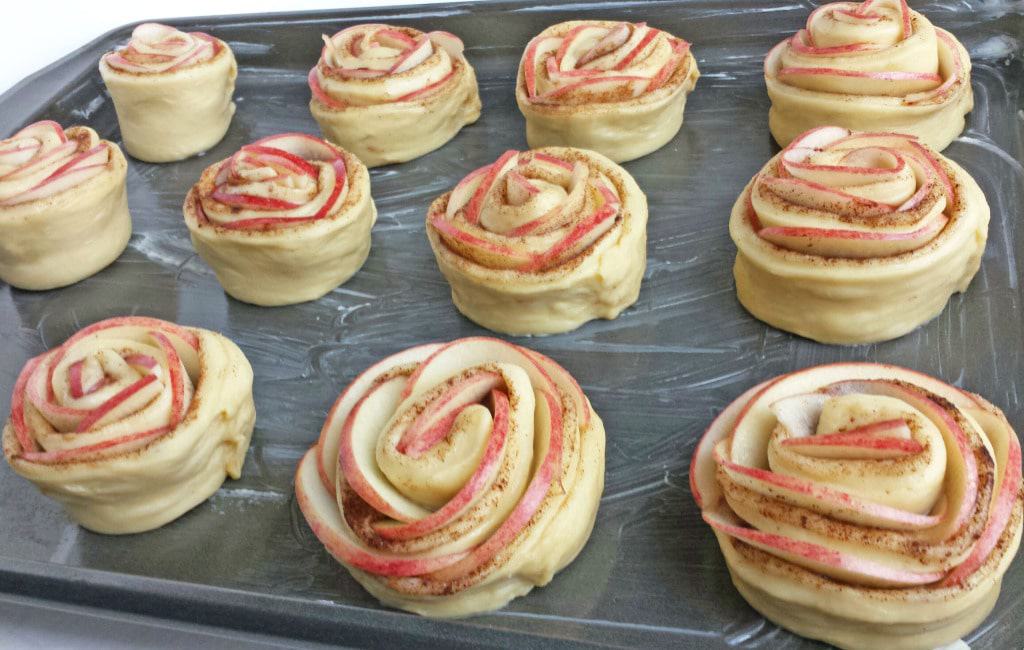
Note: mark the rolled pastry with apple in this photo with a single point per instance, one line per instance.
(876, 65)
(451, 478)
(617, 88)
(856, 237)
(171, 91)
(865, 505)
(131, 422)
(390, 94)
(63, 205)
(542, 241)
(284, 220)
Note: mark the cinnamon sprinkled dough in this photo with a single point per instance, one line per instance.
(865, 505)
(63, 205)
(172, 91)
(542, 241)
(617, 88)
(876, 65)
(132, 422)
(390, 94)
(451, 478)
(856, 237)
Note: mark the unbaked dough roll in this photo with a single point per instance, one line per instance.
(450, 479)
(542, 241)
(876, 65)
(132, 422)
(285, 220)
(617, 88)
(856, 237)
(63, 205)
(390, 94)
(866, 505)
(172, 91)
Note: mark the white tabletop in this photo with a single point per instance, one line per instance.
(35, 34)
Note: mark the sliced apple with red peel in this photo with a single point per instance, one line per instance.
(628, 86)
(519, 189)
(830, 242)
(820, 559)
(414, 56)
(836, 80)
(447, 41)
(433, 424)
(649, 35)
(817, 196)
(577, 42)
(612, 40)
(538, 48)
(503, 164)
(321, 511)
(470, 492)
(879, 440)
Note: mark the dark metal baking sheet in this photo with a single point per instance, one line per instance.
(651, 574)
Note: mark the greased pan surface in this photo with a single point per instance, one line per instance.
(652, 573)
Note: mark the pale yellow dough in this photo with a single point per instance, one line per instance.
(550, 545)
(290, 264)
(623, 130)
(170, 116)
(395, 132)
(850, 301)
(61, 239)
(600, 283)
(144, 489)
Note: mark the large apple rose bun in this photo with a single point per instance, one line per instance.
(542, 241)
(284, 220)
(451, 478)
(63, 205)
(617, 88)
(856, 237)
(132, 421)
(171, 90)
(870, 66)
(866, 505)
(390, 94)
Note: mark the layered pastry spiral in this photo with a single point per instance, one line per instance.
(390, 94)
(866, 505)
(542, 241)
(618, 88)
(876, 65)
(171, 90)
(284, 220)
(856, 237)
(63, 205)
(451, 478)
(132, 421)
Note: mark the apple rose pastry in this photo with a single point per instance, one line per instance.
(450, 479)
(132, 422)
(540, 242)
(63, 205)
(171, 90)
(390, 94)
(614, 87)
(285, 220)
(866, 505)
(856, 237)
(870, 66)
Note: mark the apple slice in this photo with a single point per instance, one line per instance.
(879, 440)
(449, 42)
(503, 164)
(820, 559)
(519, 189)
(577, 42)
(413, 56)
(321, 512)
(648, 35)
(435, 421)
(539, 48)
(890, 83)
(852, 244)
(613, 39)
(821, 197)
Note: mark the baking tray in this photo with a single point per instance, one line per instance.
(652, 573)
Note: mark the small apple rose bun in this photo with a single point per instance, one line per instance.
(876, 65)
(865, 505)
(172, 91)
(856, 237)
(285, 220)
(450, 479)
(63, 205)
(390, 94)
(614, 87)
(132, 422)
(542, 241)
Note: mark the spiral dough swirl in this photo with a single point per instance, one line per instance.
(863, 504)
(156, 48)
(541, 225)
(125, 423)
(452, 478)
(874, 65)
